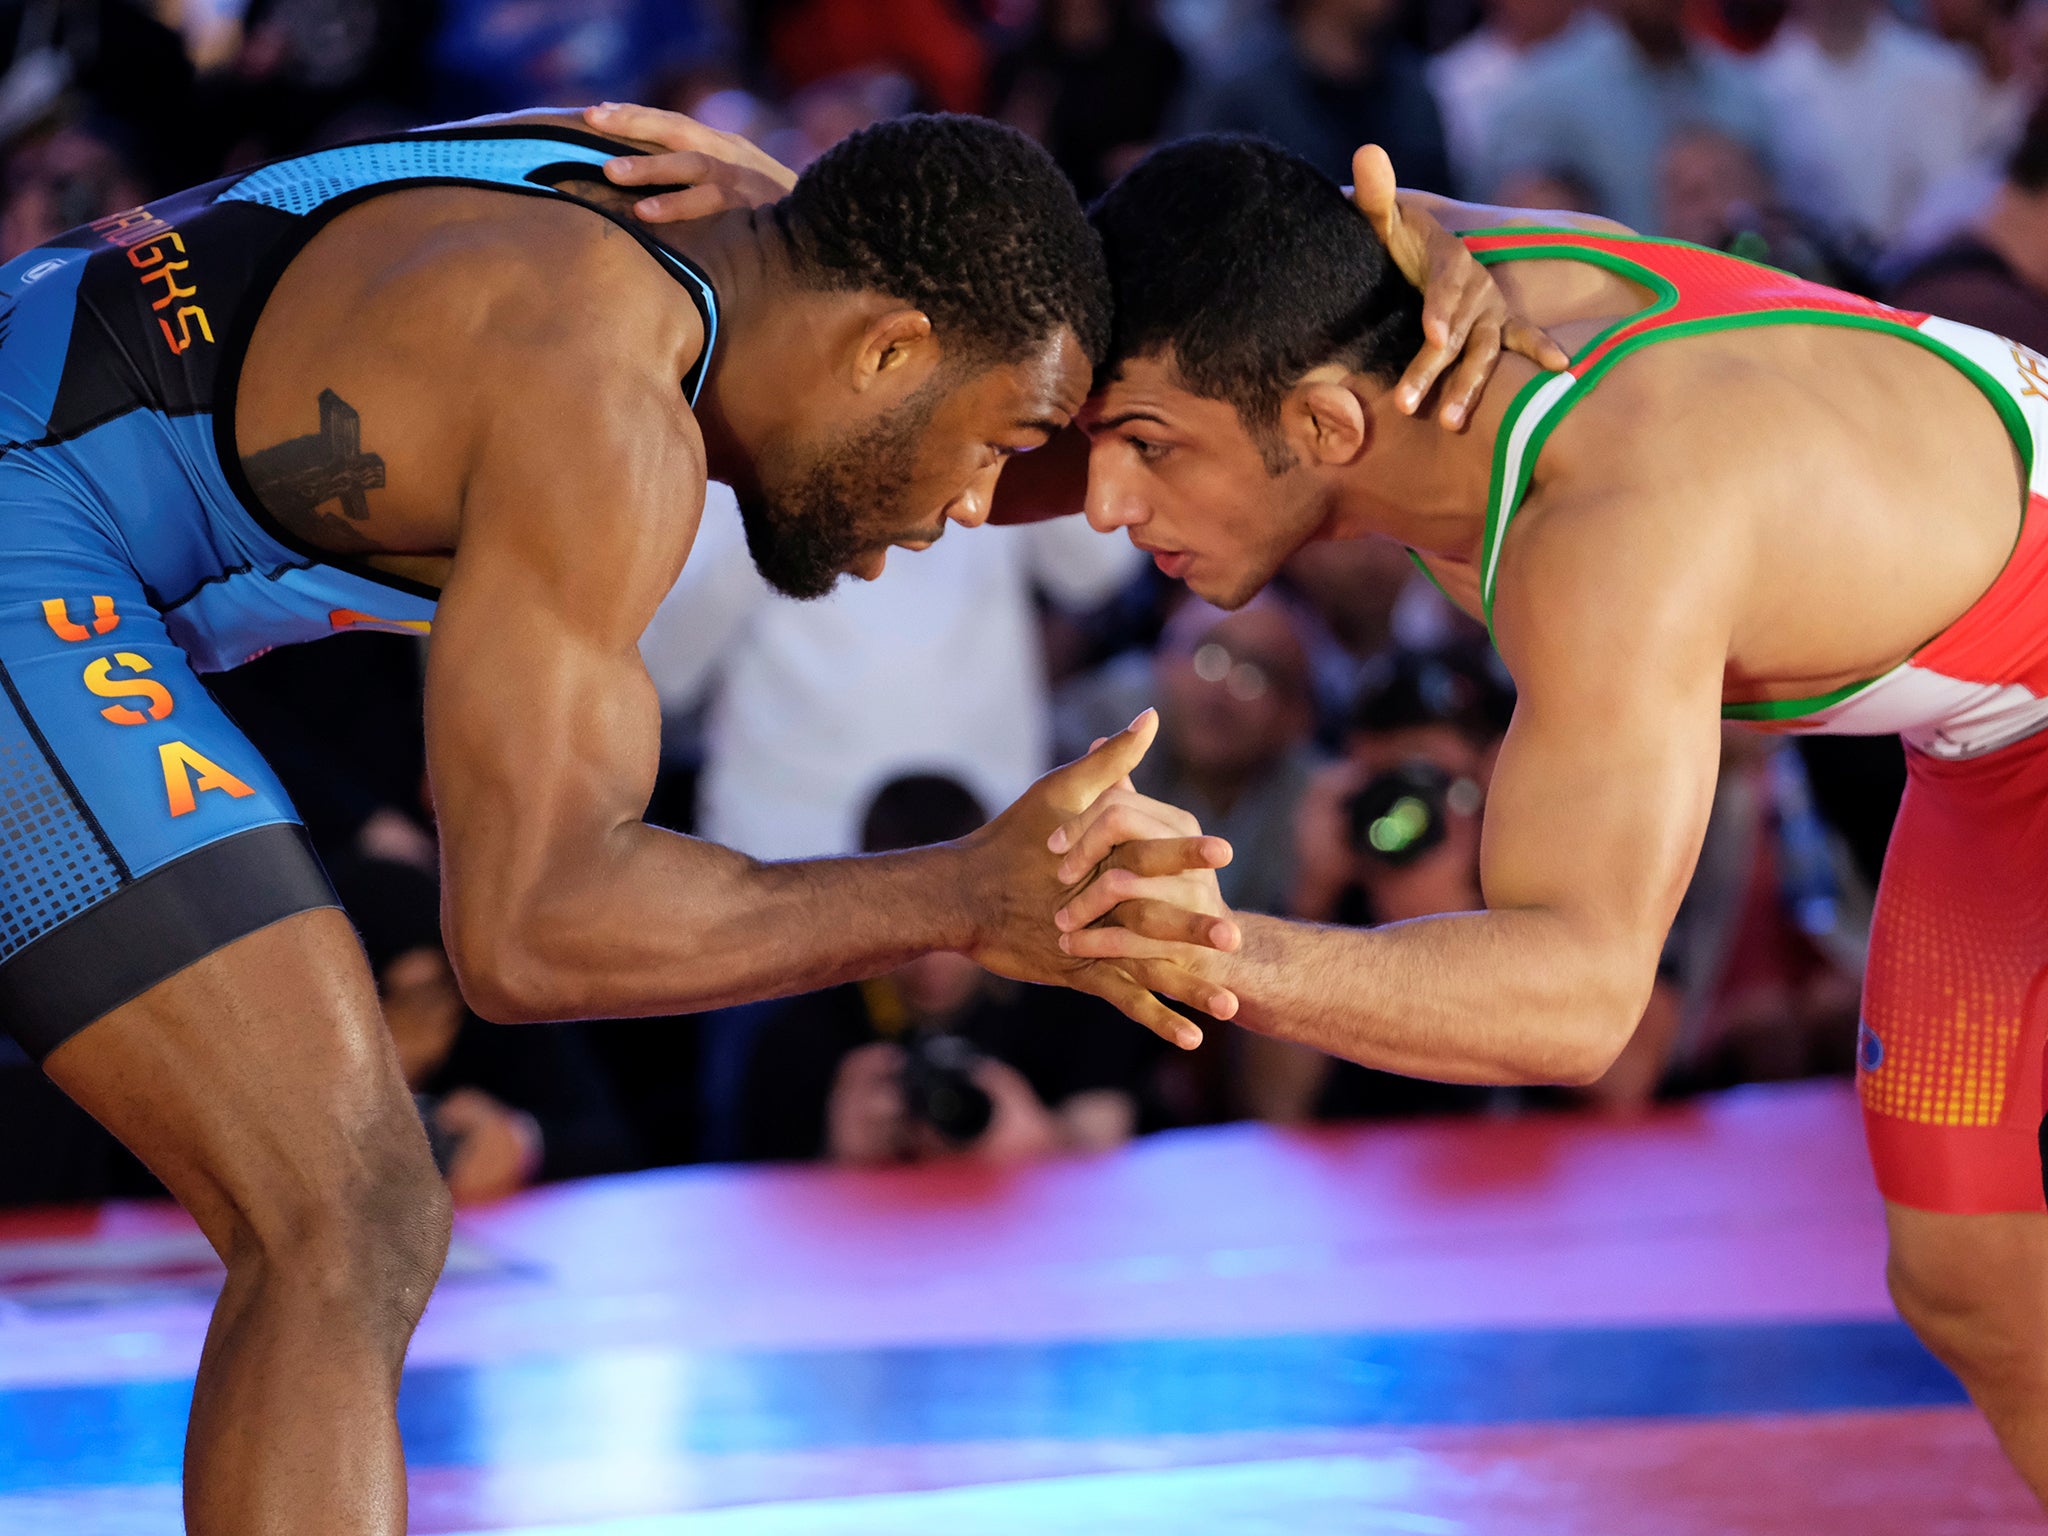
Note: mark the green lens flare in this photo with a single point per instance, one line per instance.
(1405, 820)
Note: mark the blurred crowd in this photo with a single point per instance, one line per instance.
(1340, 730)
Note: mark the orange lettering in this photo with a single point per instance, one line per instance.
(59, 618)
(171, 288)
(155, 249)
(114, 223)
(180, 762)
(98, 680)
(2034, 370)
(186, 315)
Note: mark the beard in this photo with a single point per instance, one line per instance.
(824, 508)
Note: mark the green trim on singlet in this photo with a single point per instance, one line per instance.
(1792, 709)
(1502, 503)
(1422, 565)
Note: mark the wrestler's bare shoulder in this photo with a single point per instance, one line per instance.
(1864, 488)
(439, 320)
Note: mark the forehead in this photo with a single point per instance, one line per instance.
(1149, 388)
(1046, 389)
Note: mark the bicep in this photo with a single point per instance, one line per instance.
(543, 727)
(1600, 796)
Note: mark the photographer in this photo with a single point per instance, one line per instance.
(938, 1058)
(504, 1108)
(1388, 831)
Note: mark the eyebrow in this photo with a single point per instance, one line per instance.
(1124, 418)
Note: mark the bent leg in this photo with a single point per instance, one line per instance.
(260, 1085)
(1975, 1289)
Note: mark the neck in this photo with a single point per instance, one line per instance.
(1418, 484)
(2016, 227)
(741, 253)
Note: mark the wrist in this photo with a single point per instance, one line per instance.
(950, 877)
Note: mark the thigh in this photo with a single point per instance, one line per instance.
(1950, 1060)
(139, 830)
(259, 1083)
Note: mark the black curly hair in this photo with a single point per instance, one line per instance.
(1249, 267)
(965, 218)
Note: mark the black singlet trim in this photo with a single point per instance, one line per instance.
(152, 928)
(268, 573)
(264, 280)
(57, 767)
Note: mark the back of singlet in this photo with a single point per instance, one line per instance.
(121, 344)
(1980, 684)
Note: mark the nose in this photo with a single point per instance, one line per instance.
(971, 507)
(1113, 500)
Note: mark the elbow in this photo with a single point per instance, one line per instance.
(506, 979)
(1603, 1022)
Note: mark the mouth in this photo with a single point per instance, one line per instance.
(1172, 563)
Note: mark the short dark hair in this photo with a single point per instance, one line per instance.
(917, 809)
(965, 218)
(1251, 267)
(2027, 167)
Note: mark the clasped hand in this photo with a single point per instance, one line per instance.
(1125, 860)
(1142, 892)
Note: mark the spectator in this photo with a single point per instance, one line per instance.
(1769, 942)
(1093, 82)
(1850, 152)
(60, 180)
(504, 1107)
(490, 56)
(931, 41)
(1391, 832)
(847, 1074)
(341, 723)
(2014, 58)
(1714, 191)
(936, 667)
(1437, 714)
(1472, 76)
(1602, 100)
(2000, 38)
(1331, 77)
(1995, 275)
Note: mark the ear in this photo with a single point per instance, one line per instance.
(1324, 419)
(893, 339)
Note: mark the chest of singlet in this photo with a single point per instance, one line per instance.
(1980, 684)
(121, 345)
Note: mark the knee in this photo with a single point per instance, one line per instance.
(1976, 1320)
(368, 1233)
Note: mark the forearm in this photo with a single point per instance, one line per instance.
(657, 923)
(1469, 997)
(1459, 216)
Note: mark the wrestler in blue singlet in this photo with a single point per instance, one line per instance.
(139, 830)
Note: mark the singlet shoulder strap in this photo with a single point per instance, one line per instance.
(1694, 291)
(533, 158)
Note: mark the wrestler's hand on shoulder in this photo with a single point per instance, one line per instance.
(1013, 890)
(711, 170)
(1466, 319)
(1144, 888)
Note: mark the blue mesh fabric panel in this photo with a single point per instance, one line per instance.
(303, 184)
(52, 867)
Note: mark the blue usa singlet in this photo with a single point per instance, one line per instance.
(139, 830)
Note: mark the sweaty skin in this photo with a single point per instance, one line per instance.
(1745, 515)
(1678, 548)
(481, 392)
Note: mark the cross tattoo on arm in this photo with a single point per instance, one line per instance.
(295, 479)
